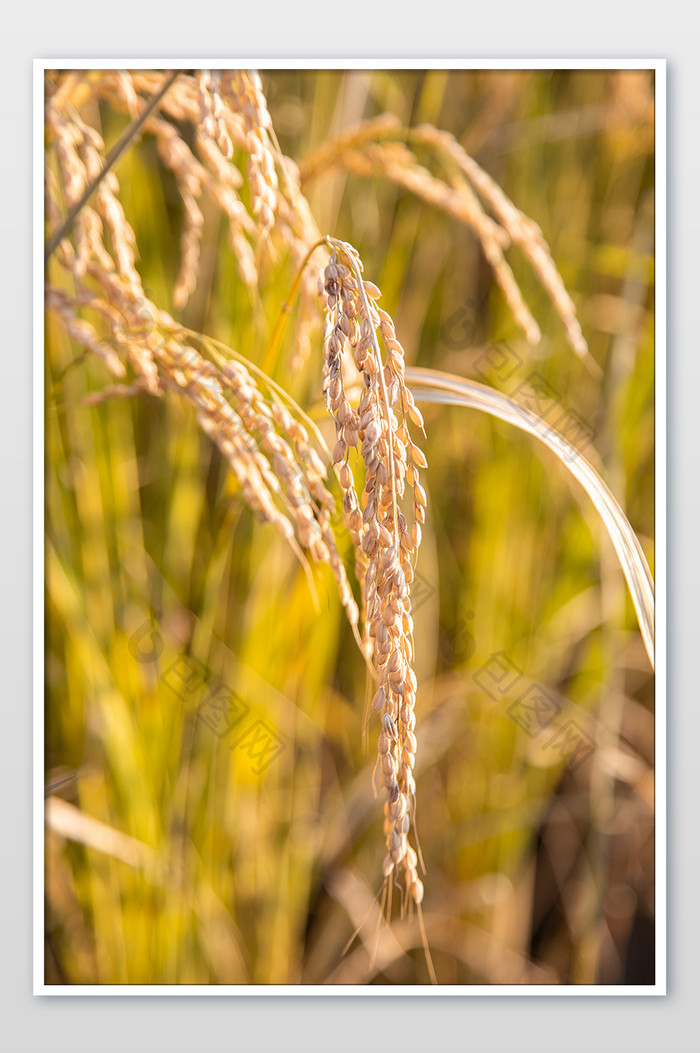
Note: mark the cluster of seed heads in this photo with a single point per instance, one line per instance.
(212, 122)
(281, 477)
(377, 149)
(244, 88)
(385, 545)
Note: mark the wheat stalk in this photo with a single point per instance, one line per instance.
(245, 90)
(376, 148)
(521, 230)
(378, 429)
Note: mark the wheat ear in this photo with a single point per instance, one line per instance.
(379, 429)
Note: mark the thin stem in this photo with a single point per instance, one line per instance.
(268, 362)
(111, 159)
(426, 947)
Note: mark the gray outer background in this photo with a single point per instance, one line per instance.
(595, 29)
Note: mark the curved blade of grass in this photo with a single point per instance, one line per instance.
(431, 385)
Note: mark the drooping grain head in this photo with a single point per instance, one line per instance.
(378, 429)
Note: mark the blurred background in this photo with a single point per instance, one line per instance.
(210, 812)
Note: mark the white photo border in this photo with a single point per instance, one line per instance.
(658, 988)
